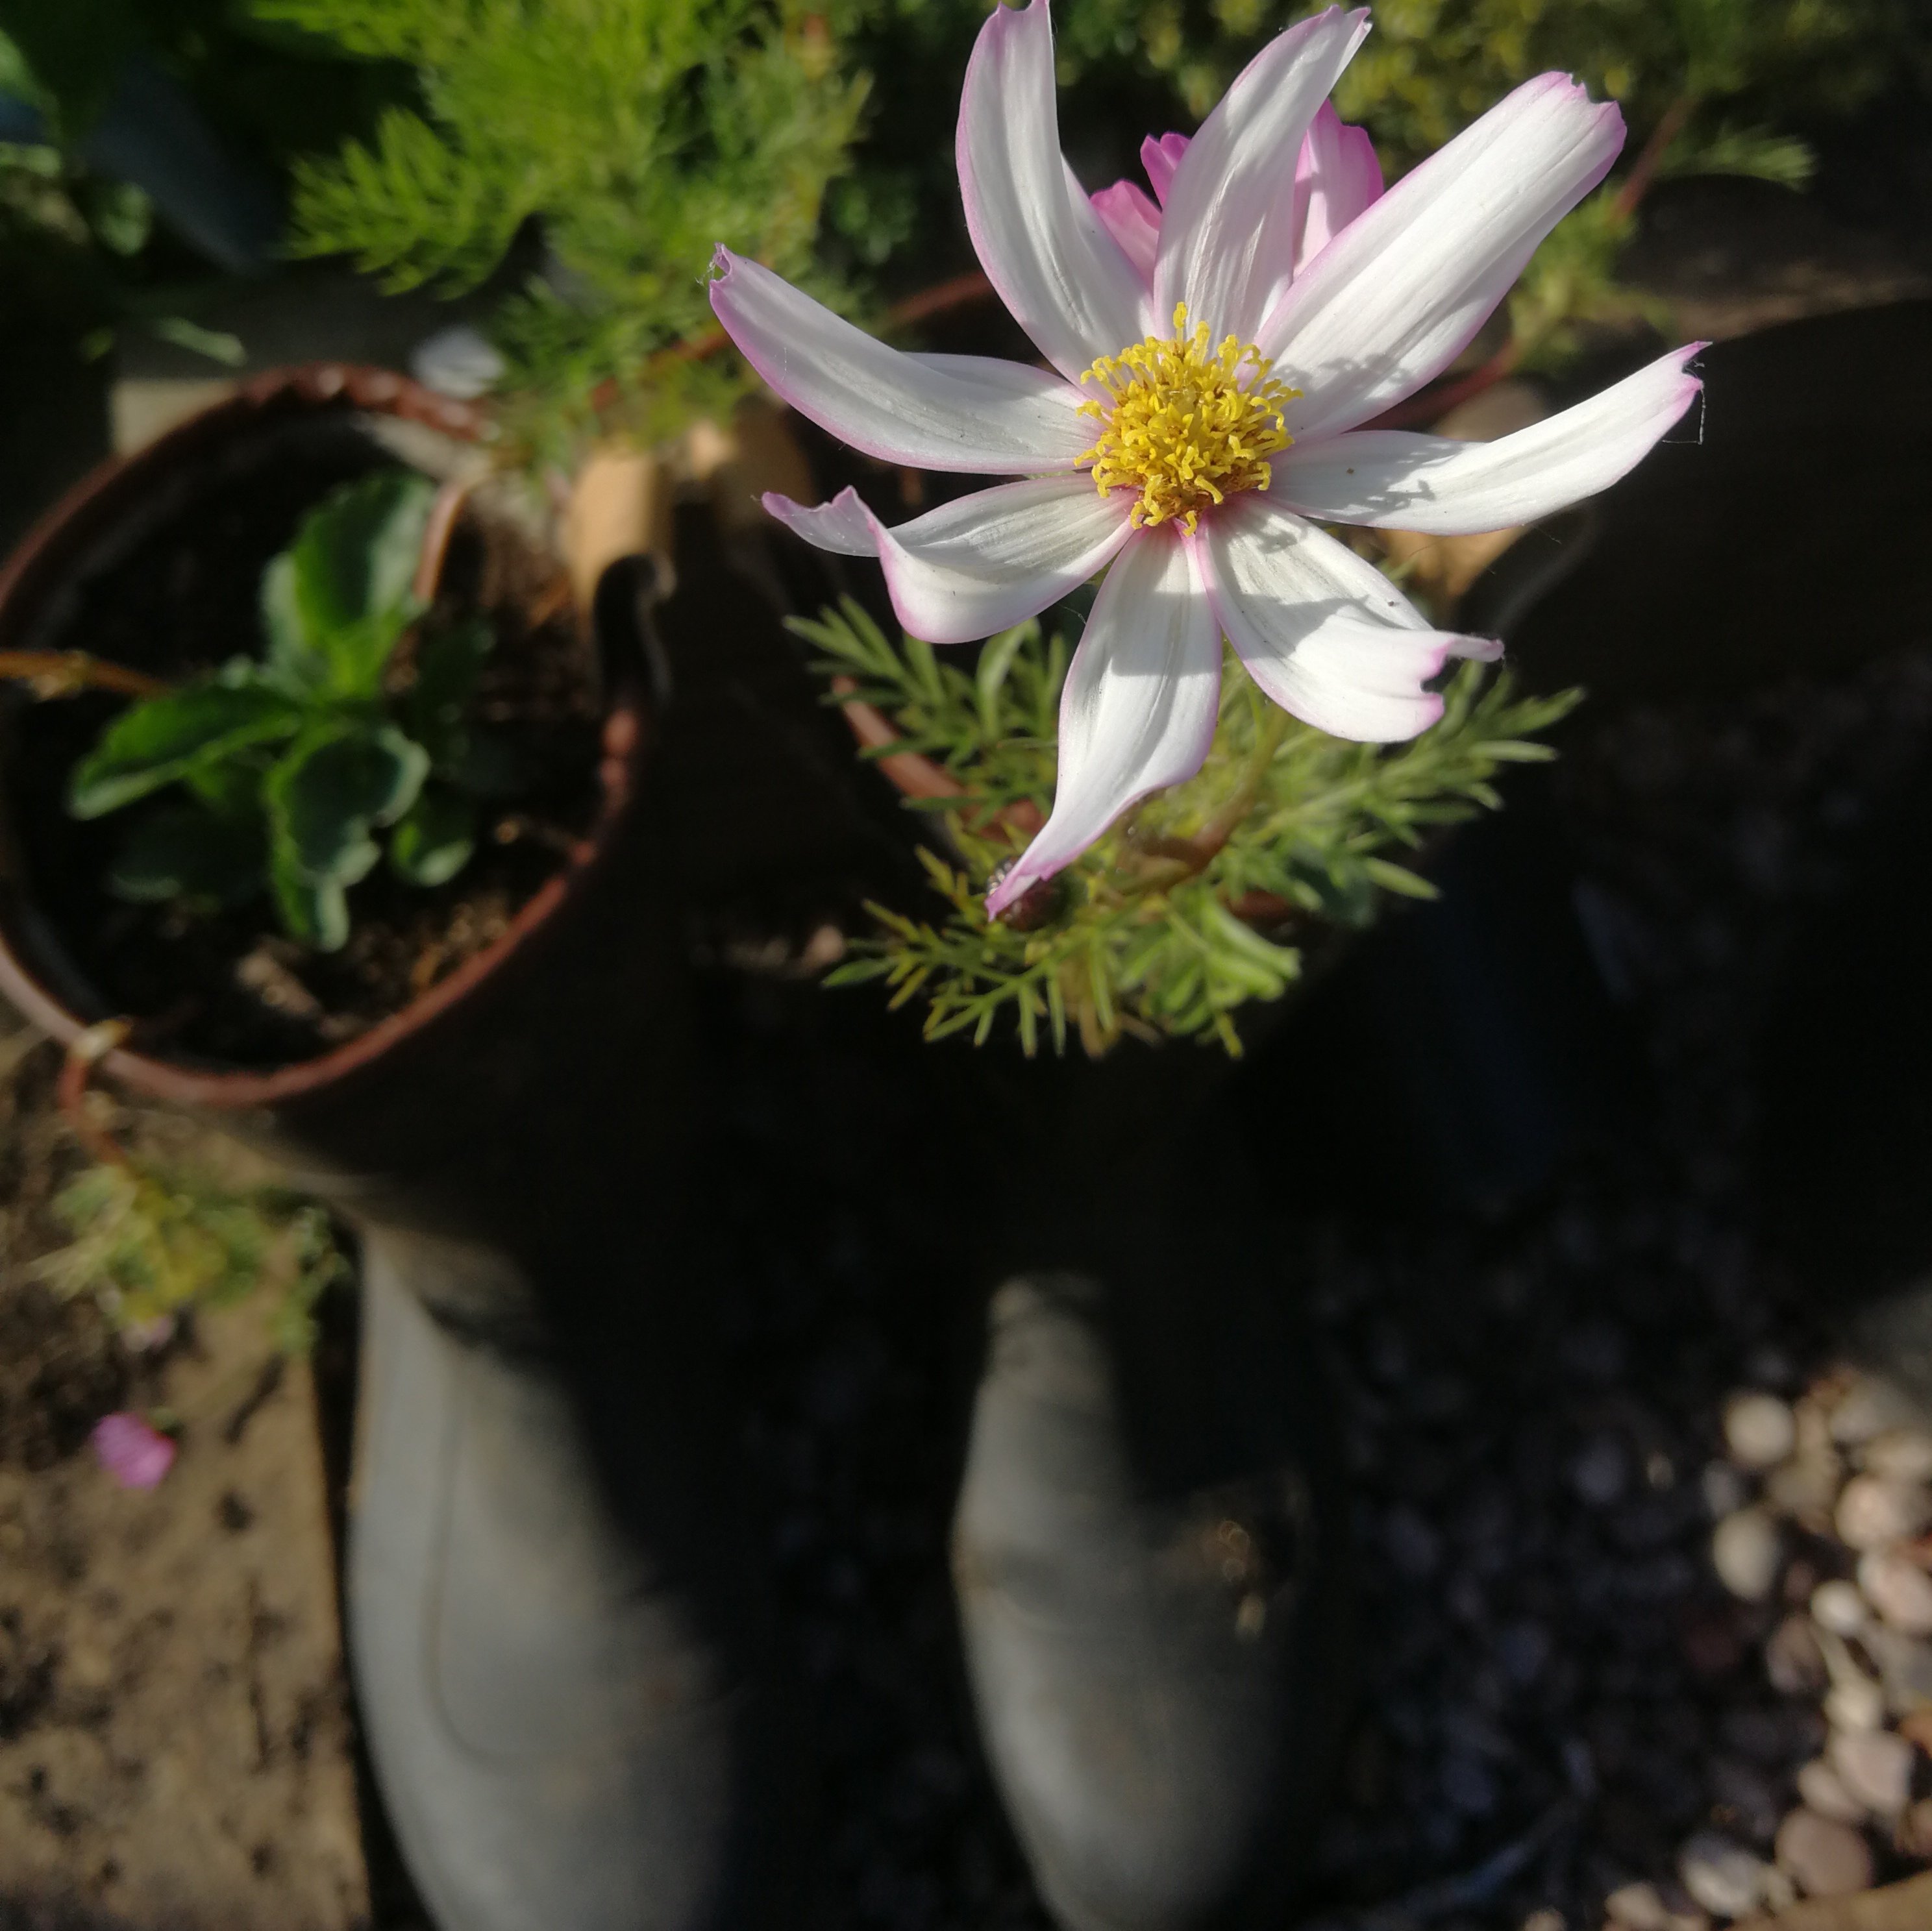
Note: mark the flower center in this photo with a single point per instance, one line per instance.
(1182, 427)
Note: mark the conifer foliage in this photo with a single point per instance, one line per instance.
(634, 138)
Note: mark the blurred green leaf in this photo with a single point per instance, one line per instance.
(335, 783)
(158, 741)
(336, 604)
(434, 839)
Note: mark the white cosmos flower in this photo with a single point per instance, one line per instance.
(1211, 357)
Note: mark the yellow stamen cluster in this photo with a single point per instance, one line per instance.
(1182, 427)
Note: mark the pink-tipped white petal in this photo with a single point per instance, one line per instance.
(1127, 213)
(1399, 293)
(1160, 158)
(1139, 708)
(1227, 235)
(1065, 278)
(1323, 632)
(967, 413)
(1394, 481)
(1337, 176)
(983, 562)
(843, 525)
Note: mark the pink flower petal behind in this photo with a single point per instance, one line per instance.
(1160, 158)
(1138, 710)
(136, 1454)
(1133, 221)
(1337, 175)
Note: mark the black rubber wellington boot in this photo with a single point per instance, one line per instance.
(564, 1730)
(1146, 1556)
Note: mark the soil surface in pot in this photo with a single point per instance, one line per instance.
(179, 596)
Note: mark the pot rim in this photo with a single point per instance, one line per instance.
(38, 563)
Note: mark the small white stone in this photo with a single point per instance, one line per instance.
(459, 360)
(1899, 1455)
(1638, 1907)
(1898, 1589)
(1867, 1408)
(1759, 1430)
(1722, 1876)
(1904, 1667)
(1875, 1766)
(1823, 1789)
(1747, 1550)
(1855, 1702)
(1806, 1488)
(1827, 1858)
(1873, 1512)
(1838, 1607)
(1794, 1659)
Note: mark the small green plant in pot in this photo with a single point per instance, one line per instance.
(352, 725)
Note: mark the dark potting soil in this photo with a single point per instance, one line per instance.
(181, 597)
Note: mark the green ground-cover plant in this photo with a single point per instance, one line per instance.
(1154, 929)
(290, 766)
(149, 1243)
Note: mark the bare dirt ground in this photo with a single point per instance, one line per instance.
(175, 1740)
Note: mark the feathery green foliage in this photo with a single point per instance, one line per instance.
(1197, 901)
(635, 137)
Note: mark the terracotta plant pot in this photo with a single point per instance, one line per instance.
(429, 1090)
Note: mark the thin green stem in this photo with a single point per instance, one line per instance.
(1174, 861)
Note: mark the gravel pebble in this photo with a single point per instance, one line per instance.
(1875, 1766)
(1747, 1550)
(1867, 1409)
(1759, 1430)
(1824, 1790)
(1898, 1589)
(1914, 1835)
(1722, 1876)
(1806, 1488)
(1638, 1907)
(1839, 1607)
(1855, 1704)
(1873, 1512)
(1793, 1660)
(1899, 1455)
(1826, 1858)
(1600, 1473)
